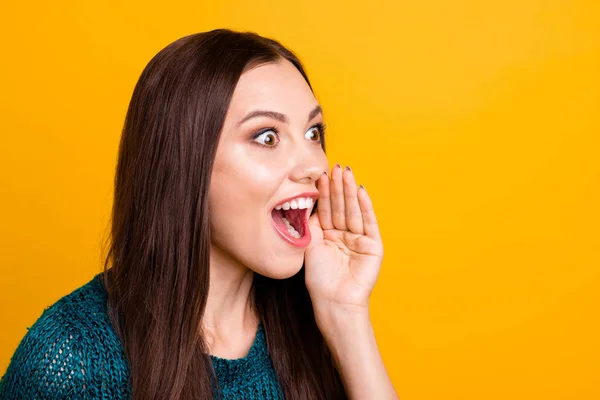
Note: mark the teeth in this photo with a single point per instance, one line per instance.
(291, 230)
(297, 203)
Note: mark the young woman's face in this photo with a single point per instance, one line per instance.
(269, 152)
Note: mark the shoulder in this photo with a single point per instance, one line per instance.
(71, 351)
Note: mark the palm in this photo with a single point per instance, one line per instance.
(343, 260)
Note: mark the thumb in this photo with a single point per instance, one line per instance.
(316, 231)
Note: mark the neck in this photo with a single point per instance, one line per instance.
(228, 307)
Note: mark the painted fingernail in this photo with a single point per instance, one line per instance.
(348, 168)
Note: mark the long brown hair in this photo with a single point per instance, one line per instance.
(156, 269)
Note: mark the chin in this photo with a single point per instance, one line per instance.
(277, 272)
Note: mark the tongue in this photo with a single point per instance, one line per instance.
(294, 217)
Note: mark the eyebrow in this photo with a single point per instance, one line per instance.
(278, 116)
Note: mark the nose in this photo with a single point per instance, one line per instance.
(310, 162)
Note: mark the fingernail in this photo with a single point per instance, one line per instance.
(348, 168)
(362, 187)
(337, 166)
(325, 173)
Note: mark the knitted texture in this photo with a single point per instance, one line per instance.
(73, 352)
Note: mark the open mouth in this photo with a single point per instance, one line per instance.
(290, 219)
(291, 222)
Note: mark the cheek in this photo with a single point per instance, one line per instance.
(239, 196)
(245, 183)
(253, 169)
(240, 191)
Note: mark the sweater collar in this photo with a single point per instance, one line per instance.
(234, 372)
(238, 372)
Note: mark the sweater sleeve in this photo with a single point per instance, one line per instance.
(50, 362)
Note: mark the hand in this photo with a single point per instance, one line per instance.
(343, 259)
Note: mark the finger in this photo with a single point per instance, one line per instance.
(354, 219)
(370, 224)
(323, 203)
(338, 214)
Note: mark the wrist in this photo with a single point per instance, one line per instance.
(348, 334)
(336, 320)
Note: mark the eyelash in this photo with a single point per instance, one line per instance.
(321, 126)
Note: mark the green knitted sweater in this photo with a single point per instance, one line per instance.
(73, 352)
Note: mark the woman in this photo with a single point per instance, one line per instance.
(227, 277)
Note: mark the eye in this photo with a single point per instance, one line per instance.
(267, 138)
(315, 133)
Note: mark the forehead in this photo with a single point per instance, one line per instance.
(276, 86)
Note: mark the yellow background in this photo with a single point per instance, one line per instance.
(474, 125)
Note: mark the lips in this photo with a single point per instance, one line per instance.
(296, 217)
